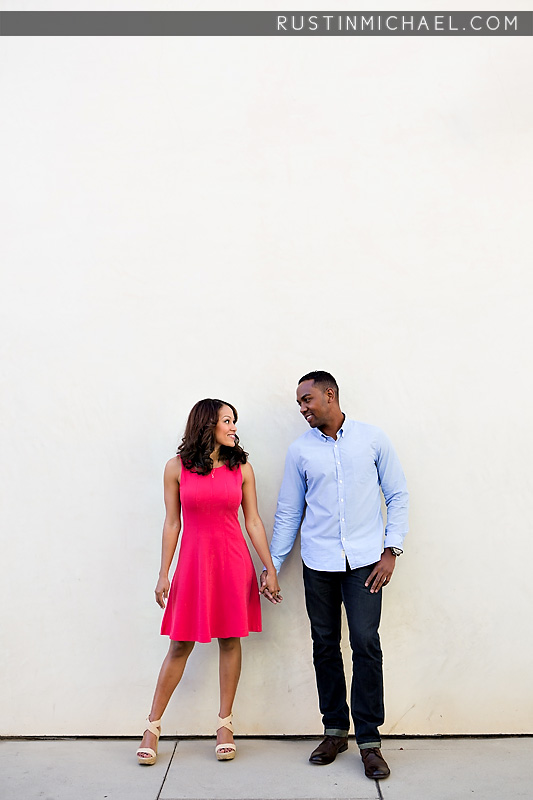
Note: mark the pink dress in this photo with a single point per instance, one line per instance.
(214, 592)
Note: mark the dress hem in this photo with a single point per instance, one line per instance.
(214, 636)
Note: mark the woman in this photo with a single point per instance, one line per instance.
(214, 590)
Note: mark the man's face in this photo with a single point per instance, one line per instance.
(314, 403)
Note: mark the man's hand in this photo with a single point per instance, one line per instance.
(382, 572)
(269, 587)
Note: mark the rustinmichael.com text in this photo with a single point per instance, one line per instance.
(398, 23)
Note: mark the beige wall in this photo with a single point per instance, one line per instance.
(196, 217)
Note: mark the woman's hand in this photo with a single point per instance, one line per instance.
(270, 586)
(161, 590)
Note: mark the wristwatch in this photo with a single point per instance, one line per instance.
(395, 551)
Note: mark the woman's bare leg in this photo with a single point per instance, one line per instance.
(169, 677)
(229, 672)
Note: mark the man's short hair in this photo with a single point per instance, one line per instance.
(323, 379)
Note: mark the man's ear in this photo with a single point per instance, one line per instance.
(331, 395)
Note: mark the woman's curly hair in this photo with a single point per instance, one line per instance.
(199, 439)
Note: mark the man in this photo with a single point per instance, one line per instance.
(331, 487)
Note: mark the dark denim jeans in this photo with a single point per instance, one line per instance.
(325, 592)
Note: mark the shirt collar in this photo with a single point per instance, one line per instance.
(340, 432)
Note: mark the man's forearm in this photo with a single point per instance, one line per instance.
(281, 545)
(397, 518)
(289, 512)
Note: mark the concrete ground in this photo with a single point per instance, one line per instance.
(267, 769)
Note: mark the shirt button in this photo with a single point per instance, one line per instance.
(343, 519)
(340, 481)
(342, 501)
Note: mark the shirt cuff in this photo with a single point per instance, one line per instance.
(277, 563)
(265, 569)
(394, 540)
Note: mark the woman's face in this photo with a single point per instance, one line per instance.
(226, 428)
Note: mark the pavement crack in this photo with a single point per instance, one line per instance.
(166, 772)
(378, 787)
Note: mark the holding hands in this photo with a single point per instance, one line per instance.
(270, 586)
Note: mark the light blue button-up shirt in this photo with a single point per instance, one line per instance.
(335, 486)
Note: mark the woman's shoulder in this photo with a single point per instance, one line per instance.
(246, 470)
(173, 468)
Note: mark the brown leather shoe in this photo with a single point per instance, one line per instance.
(375, 765)
(327, 750)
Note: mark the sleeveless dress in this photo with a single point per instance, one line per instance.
(214, 591)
